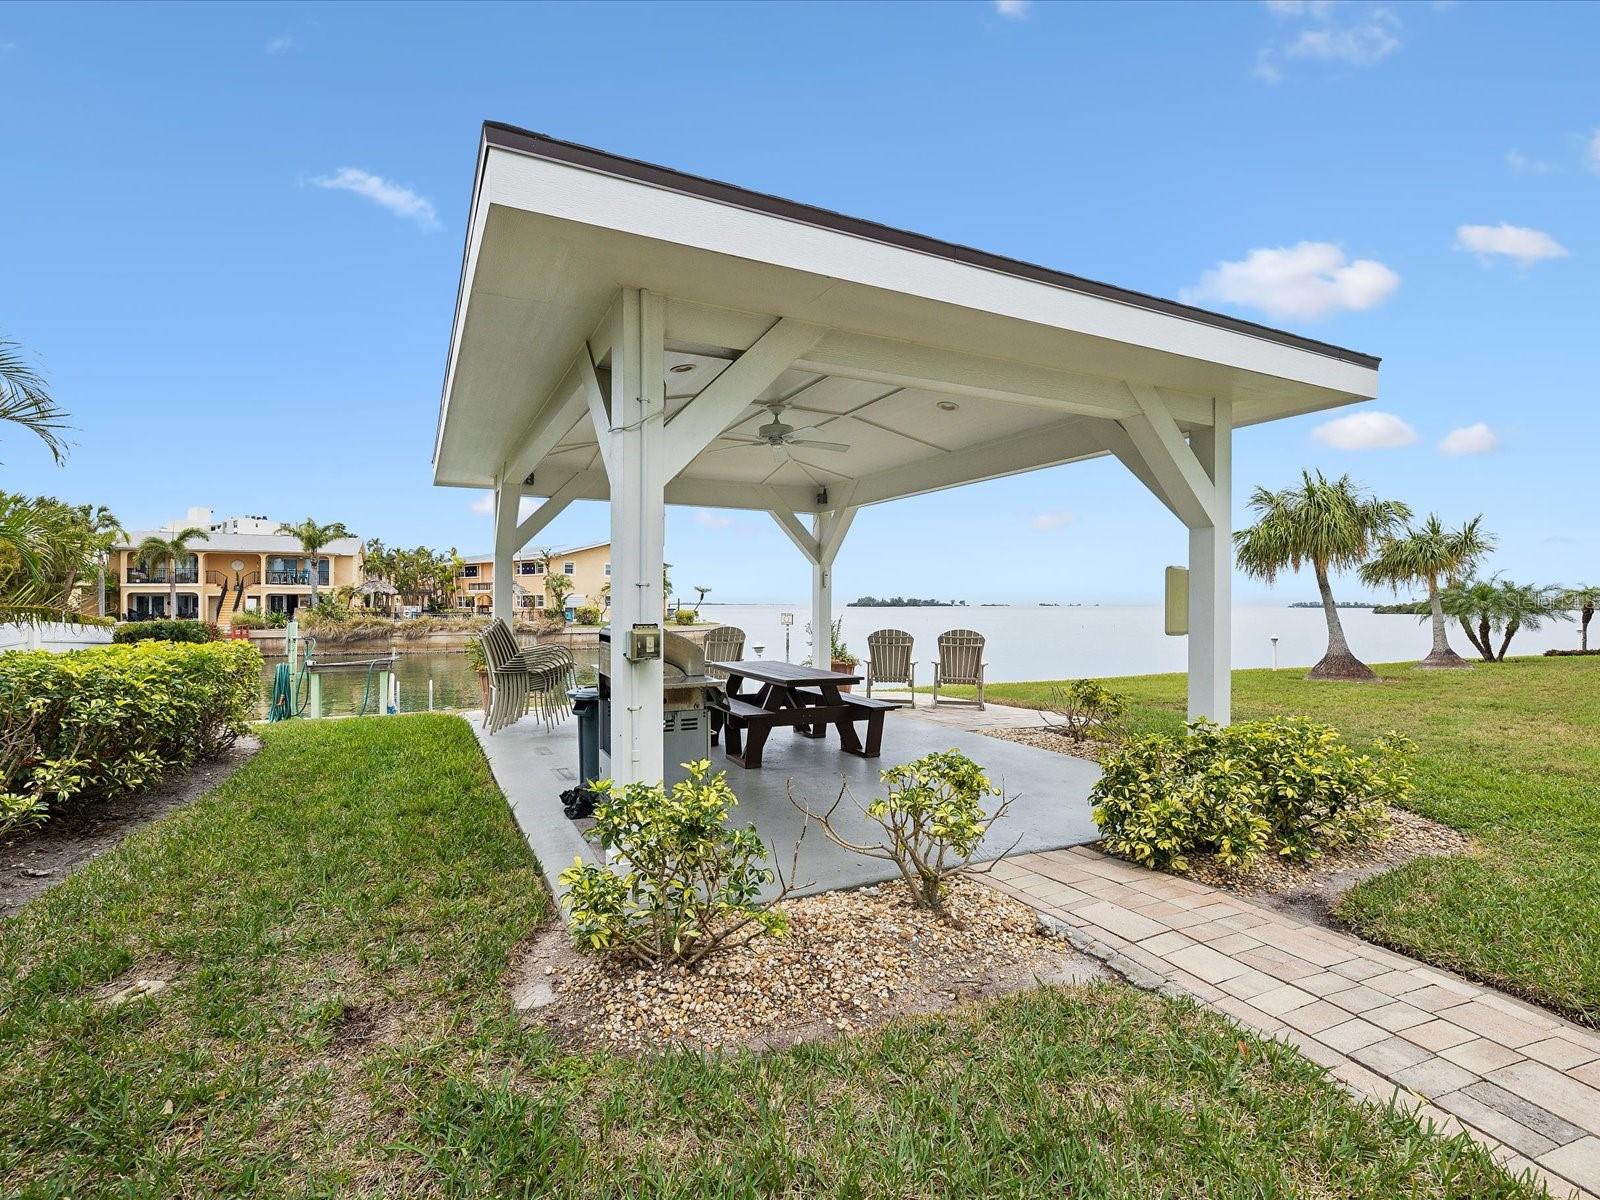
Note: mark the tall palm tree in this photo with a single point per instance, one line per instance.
(1426, 554)
(313, 539)
(25, 399)
(1583, 601)
(1330, 525)
(170, 550)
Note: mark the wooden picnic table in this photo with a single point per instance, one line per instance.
(805, 697)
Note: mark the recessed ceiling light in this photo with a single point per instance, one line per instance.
(680, 368)
(948, 406)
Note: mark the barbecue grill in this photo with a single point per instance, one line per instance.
(686, 691)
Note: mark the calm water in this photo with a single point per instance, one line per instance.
(1023, 643)
(1071, 643)
(454, 684)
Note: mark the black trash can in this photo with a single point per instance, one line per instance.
(586, 704)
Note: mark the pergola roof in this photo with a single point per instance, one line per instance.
(933, 364)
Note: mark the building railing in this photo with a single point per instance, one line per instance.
(289, 578)
(159, 575)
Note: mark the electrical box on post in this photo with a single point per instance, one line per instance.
(643, 644)
(1177, 605)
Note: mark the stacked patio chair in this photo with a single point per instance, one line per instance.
(960, 661)
(725, 643)
(544, 673)
(889, 660)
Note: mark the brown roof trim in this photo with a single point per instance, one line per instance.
(523, 141)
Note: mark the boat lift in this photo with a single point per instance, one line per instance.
(297, 684)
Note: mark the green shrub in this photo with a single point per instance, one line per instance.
(1085, 709)
(1288, 784)
(933, 819)
(690, 884)
(165, 631)
(588, 614)
(248, 619)
(112, 719)
(685, 616)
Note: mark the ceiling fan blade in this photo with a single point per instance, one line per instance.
(832, 447)
(739, 443)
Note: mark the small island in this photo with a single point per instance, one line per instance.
(903, 602)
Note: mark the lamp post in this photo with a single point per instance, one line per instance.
(786, 620)
(1274, 652)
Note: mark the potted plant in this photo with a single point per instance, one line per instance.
(842, 660)
(480, 668)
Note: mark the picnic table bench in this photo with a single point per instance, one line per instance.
(795, 695)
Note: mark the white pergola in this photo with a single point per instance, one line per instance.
(623, 332)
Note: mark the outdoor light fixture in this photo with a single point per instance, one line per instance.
(680, 368)
(948, 406)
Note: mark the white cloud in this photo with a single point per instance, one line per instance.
(707, 519)
(1366, 431)
(1267, 69)
(1301, 8)
(1047, 521)
(1523, 164)
(1308, 279)
(484, 504)
(281, 44)
(400, 200)
(1324, 33)
(1470, 439)
(1369, 40)
(1016, 10)
(1591, 151)
(1524, 246)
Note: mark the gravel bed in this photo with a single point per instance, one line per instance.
(1043, 738)
(851, 960)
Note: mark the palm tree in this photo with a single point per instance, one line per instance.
(171, 550)
(1500, 606)
(313, 539)
(1473, 603)
(1583, 601)
(26, 399)
(1332, 526)
(1425, 554)
(700, 597)
(1524, 606)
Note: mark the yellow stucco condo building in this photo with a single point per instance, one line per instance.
(243, 565)
(587, 570)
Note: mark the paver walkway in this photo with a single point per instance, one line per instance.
(1522, 1081)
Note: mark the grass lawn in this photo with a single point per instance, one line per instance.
(336, 922)
(1510, 753)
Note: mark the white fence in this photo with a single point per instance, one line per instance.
(54, 636)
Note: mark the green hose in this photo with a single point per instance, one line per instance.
(290, 693)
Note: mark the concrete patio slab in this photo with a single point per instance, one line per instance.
(1050, 791)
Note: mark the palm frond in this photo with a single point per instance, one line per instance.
(25, 399)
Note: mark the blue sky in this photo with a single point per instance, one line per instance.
(230, 235)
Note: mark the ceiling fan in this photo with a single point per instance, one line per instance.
(779, 436)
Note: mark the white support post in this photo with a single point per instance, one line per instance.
(638, 531)
(1211, 577)
(828, 529)
(507, 497)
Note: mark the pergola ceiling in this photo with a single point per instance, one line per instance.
(930, 371)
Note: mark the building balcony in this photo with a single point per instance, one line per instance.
(291, 579)
(160, 575)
